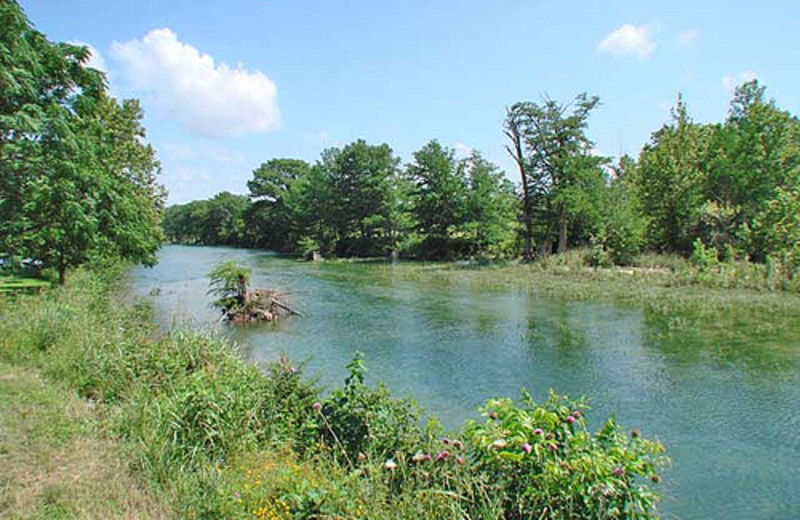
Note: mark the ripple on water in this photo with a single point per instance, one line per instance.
(721, 392)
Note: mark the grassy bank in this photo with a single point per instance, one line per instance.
(57, 458)
(204, 435)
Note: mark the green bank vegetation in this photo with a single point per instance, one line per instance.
(210, 436)
(723, 196)
(58, 459)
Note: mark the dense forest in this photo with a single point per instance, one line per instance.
(729, 189)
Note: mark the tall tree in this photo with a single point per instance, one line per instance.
(440, 196)
(755, 161)
(76, 180)
(360, 178)
(274, 214)
(514, 128)
(671, 179)
(491, 207)
(559, 170)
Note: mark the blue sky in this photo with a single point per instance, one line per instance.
(229, 85)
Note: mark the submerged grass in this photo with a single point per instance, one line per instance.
(660, 280)
(198, 433)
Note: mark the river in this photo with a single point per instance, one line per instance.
(727, 410)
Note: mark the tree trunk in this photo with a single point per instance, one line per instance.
(513, 133)
(562, 235)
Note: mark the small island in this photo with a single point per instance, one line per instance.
(238, 303)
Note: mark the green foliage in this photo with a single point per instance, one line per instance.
(229, 282)
(220, 220)
(78, 182)
(276, 216)
(562, 179)
(362, 421)
(729, 185)
(703, 258)
(491, 209)
(544, 462)
(670, 178)
(440, 194)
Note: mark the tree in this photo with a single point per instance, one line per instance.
(274, 214)
(219, 220)
(755, 167)
(624, 224)
(671, 180)
(358, 181)
(440, 195)
(78, 183)
(513, 128)
(560, 174)
(491, 207)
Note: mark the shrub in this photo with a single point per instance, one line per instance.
(359, 420)
(544, 463)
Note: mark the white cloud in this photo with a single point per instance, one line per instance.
(629, 40)
(688, 38)
(731, 81)
(208, 98)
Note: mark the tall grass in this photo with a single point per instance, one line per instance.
(221, 438)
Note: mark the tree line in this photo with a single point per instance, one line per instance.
(731, 188)
(358, 201)
(77, 181)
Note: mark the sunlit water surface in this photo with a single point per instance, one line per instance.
(727, 410)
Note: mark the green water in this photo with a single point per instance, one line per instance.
(721, 389)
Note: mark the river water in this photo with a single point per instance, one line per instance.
(728, 410)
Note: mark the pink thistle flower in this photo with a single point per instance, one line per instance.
(570, 419)
(553, 446)
(443, 455)
(317, 406)
(526, 448)
(576, 414)
(538, 431)
(460, 460)
(619, 471)
(237, 495)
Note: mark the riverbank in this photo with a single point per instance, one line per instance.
(58, 459)
(211, 436)
(651, 277)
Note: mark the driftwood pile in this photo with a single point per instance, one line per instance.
(255, 306)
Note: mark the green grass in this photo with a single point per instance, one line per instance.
(653, 279)
(14, 284)
(56, 460)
